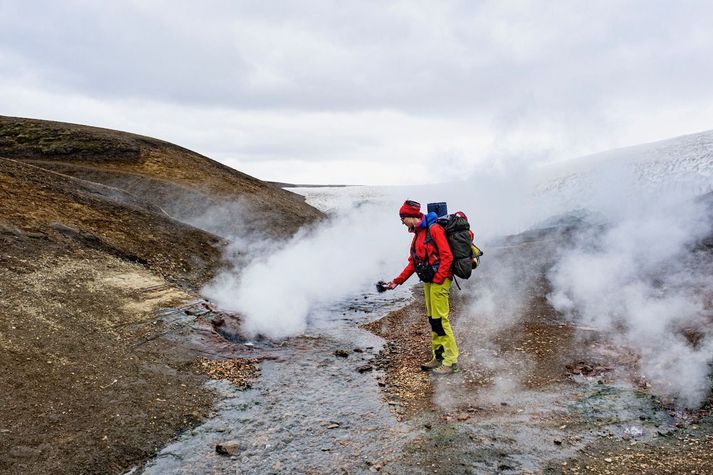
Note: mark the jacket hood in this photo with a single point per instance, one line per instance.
(428, 220)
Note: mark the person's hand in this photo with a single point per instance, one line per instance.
(391, 285)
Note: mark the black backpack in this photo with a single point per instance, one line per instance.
(466, 255)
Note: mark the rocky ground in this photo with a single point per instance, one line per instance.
(535, 394)
(103, 355)
(556, 421)
(106, 346)
(82, 391)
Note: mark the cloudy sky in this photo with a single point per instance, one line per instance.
(382, 92)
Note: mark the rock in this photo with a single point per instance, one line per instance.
(365, 368)
(64, 229)
(608, 460)
(632, 432)
(23, 451)
(196, 311)
(358, 350)
(36, 235)
(557, 442)
(229, 448)
(341, 353)
(11, 230)
(333, 425)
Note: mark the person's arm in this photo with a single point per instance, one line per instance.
(445, 256)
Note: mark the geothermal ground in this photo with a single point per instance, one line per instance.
(535, 394)
(113, 362)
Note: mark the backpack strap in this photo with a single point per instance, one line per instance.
(430, 239)
(413, 250)
(425, 241)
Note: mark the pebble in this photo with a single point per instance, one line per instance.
(228, 448)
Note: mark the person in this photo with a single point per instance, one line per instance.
(431, 258)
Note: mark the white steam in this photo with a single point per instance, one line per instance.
(283, 281)
(630, 268)
(632, 271)
(639, 281)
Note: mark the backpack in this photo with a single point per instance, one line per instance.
(466, 255)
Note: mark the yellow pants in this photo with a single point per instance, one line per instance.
(443, 343)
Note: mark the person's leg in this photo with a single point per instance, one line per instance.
(427, 297)
(436, 350)
(442, 332)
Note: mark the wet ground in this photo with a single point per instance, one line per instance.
(316, 406)
(543, 397)
(535, 394)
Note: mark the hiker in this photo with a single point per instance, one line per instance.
(430, 257)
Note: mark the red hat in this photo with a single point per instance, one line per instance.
(410, 209)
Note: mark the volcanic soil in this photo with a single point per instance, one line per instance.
(106, 343)
(100, 268)
(535, 394)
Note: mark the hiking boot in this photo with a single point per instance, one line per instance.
(431, 365)
(443, 369)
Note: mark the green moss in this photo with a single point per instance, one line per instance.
(48, 140)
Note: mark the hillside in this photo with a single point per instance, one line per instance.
(95, 239)
(683, 163)
(183, 183)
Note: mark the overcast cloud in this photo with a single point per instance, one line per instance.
(366, 91)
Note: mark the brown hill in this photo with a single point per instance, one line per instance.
(89, 250)
(185, 184)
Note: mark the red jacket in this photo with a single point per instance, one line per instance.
(437, 250)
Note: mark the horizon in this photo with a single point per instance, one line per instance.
(358, 95)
